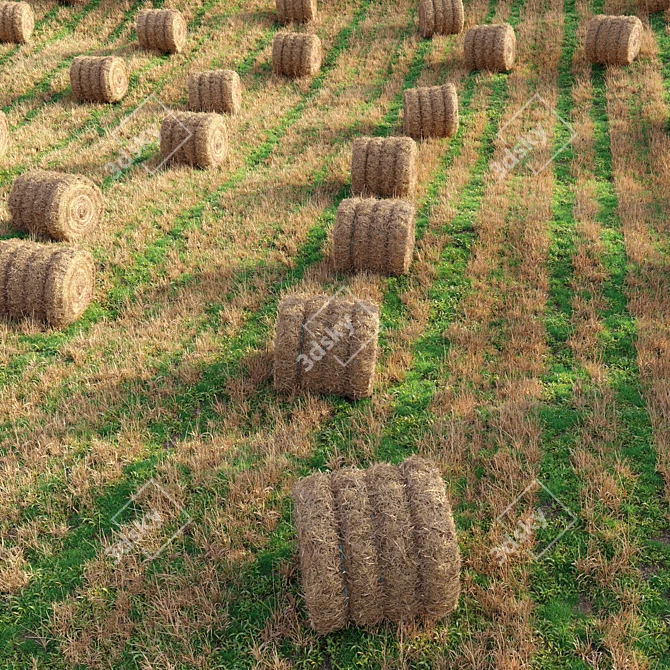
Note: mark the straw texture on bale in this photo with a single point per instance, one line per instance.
(194, 138)
(4, 133)
(215, 91)
(490, 48)
(377, 544)
(298, 11)
(63, 207)
(613, 40)
(441, 17)
(17, 22)
(374, 236)
(49, 283)
(161, 29)
(296, 54)
(384, 167)
(431, 111)
(98, 78)
(326, 345)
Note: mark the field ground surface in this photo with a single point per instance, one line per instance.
(527, 352)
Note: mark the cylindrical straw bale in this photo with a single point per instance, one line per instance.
(49, 283)
(441, 17)
(215, 91)
(52, 205)
(98, 78)
(298, 11)
(296, 54)
(4, 133)
(194, 138)
(613, 40)
(326, 345)
(490, 48)
(17, 22)
(384, 167)
(374, 235)
(162, 29)
(431, 111)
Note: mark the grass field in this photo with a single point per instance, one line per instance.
(530, 342)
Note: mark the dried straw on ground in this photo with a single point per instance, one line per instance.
(162, 29)
(653, 6)
(296, 54)
(431, 111)
(193, 138)
(298, 11)
(384, 167)
(490, 48)
(377, 544)
(215, 91)
(63, 207)
(17, 22)
(4, 133)
(49, 283)
(441, 17)
(326, 345)
(613, 40)
(98, 78)
(374, 236)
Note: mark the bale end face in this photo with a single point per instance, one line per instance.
(296, 11)
(98, 79)
(4, 133)
(431, 111)
(441, 17)
(296, 55)
(162, 29)
(613, 40)
(490, 47)
(193, 138)
(216, 91)
(17, 22)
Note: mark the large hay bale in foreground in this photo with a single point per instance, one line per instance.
(4, 133)
(62, 207)
(298, 11)
(17, 22)
(441, 17)
(296, 54)
(98, 78)
(490, 48)
(215, 91)
(384, 167)
(431, 111)
(374, 236)
(376, 544)
(49, 283)
(194, 138)
(162, 29)
(326, 345)
(613, 40)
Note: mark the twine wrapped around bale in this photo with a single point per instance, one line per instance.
(296, 54)
(374, 236)
(4, 133)
(326, 345)
(384, 167)
(194, 138)
(431, 111)
(51, 284)
(613, 40)
(162, 29)
(490, 48)
(17, 22)
(298, 11)
(98, 78)
(441, 17)
(377, 544)
(62, 207)
(215, 91)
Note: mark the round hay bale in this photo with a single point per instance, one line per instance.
(490, 48)
(431, 111)
(384, 167)
(326, 345)
(162, 29)
(296, 54)
(63, 207)
(298, 11)
(613, 40)
(435, 542)
(441, 17)
(98, 79)
(374, 236)
(17, 22)
(215, 91)
(319, 550)
(194, 138)
(4, 133)
(51, 284)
